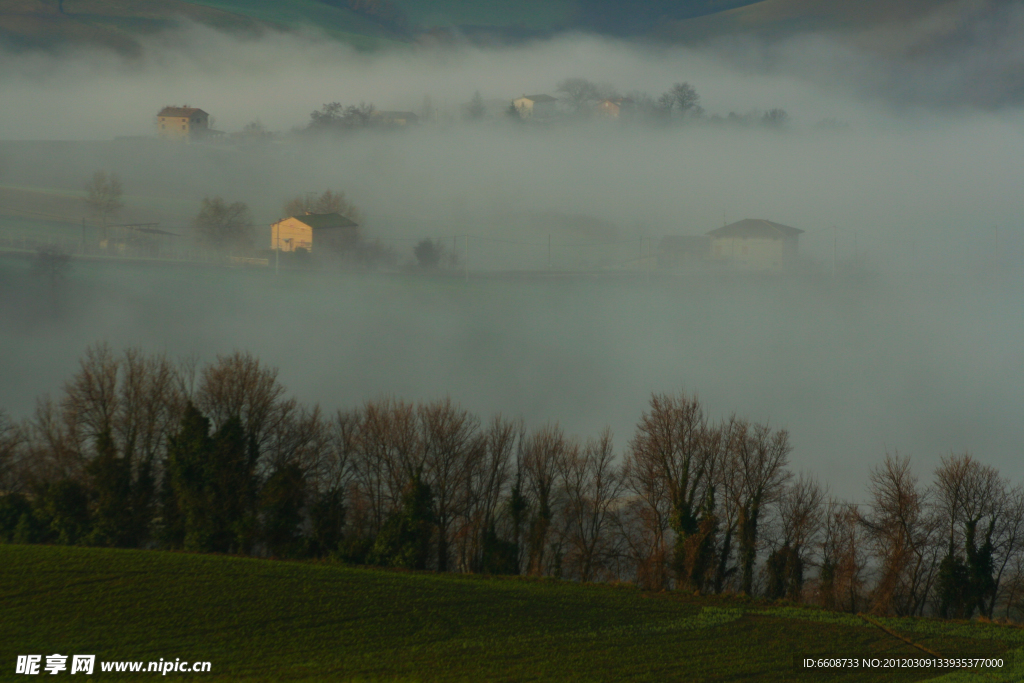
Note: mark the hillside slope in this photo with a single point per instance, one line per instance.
(118, 24)
(267, 620)
(775, 18)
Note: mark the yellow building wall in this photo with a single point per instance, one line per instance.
(755, 254)
(290, 234)
(181, 127)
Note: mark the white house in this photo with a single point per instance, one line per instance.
(755, 244)
(535, 106)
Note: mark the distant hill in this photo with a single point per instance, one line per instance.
(118, 24)
(364, 23)
(776, 18)
(268, 620)
(375, 23)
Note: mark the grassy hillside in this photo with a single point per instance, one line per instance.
(118, 24)
(779, 17)
(113, 23)
(265, 620)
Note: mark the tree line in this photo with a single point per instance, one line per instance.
(142, 452)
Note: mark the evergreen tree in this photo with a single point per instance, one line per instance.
(327, 523)
(64, 508)
(282, 498)
(187, 517)
(111, 483)
(404, 539)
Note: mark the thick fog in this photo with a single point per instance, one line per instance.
(892, 165)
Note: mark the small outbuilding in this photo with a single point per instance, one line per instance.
(330, 231)
(535, 106)
(755, 244)
(616, 107)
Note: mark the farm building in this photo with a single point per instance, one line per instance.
(535, 106)
(394, 118)
(614, 107)
(330, 231)
(182, 123)
(755, 244)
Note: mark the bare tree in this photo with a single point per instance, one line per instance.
(326, 202)
(223, 226)
(91, 398)
(800, 518)
(486, 487)
(334, 116)
(685, 98)
(580, 94)
(758, 457)
(12, 441)
(451, 447)
(388, 455)
(543, 453)
(103, 195)
(592, 485)
(775, 118)
(1009, 545)
(903, 534)
(675, 453)
(239, 386)
(976, 512)
(843, 557)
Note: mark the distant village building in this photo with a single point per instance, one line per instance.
(535, 106)
(182, 123)
(330, 231)
(614, 107)
(755, 244)
(394, 118)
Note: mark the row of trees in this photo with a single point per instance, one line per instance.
(579, 98)
(680, 102)
(142, 452)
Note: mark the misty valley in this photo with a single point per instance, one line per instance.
(415, 341)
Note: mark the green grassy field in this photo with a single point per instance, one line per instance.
(266, 620)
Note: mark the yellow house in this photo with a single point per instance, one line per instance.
(329, 230)
(614, 107)
(755, 244)
(394, 118)
(535, 106)
(182, 123)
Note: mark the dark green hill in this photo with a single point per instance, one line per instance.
(375, 23)
(364, 23)
(267, 620)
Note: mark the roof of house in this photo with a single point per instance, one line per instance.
(755, 228)
(538, 98)
(180, 111)
(323, 221)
